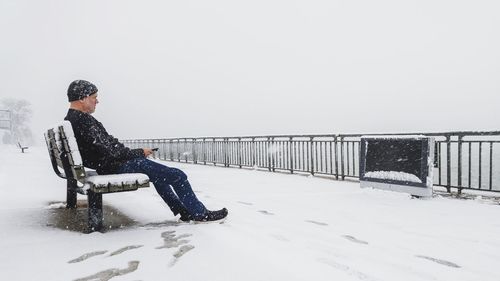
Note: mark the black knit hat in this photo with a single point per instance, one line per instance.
(80, 89)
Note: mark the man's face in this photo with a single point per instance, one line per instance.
(89, 103)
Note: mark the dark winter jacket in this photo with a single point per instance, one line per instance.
(100, 151)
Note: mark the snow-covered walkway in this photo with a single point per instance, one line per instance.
(280, 227)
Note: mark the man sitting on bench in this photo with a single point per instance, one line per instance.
(105, 154)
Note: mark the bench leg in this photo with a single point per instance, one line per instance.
(95, 211)
(71, 194)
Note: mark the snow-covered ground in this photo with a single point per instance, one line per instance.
(280, 227)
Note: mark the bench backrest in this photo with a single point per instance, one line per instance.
(64, 153)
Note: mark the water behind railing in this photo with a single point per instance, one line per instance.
(464, 160)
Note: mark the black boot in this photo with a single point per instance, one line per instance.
(185, 216)
(213, 215)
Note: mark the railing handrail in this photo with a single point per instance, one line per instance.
(452, 133)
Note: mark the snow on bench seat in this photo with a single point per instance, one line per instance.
(114, 183)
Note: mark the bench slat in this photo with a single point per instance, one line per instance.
(54, 153)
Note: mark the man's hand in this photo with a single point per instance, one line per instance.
(147, 151)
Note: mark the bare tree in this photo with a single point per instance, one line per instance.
(21, 114)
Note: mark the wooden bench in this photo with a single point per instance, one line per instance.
(64, 154)
(22, 147)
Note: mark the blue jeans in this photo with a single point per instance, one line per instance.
(170, 183)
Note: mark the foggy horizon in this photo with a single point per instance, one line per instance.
(169, 69)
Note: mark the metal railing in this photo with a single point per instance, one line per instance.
(463, 160)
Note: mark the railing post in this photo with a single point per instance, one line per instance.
(290, 152)
(215, 154)
(239, 152)
(480, 164)
(318, 161)
(330, 159)
(224, 149)
(195, 154)
(268, 152)
(491, 165)
(167, 148)
(273, 156)
(186, 156)
(336, 158)
(354, 158)
(162, 150)
(347, 158)
(459, 164)
(448, 164)
(253, 151)
(439, 163)
(179, 151)
(342, 158)
(153, 146)
(204, 151)
(470, 162)
(311, 155)
(171, 150)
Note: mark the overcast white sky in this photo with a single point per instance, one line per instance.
(227, 68)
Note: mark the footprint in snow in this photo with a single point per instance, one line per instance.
(105, 275)
(443, 262)
(317, 222)
(170, 240)
(280, 237)
(153, 225)
(265, 212)
(354, 239)
(87, 256)
(182, 251)
(347, 269)
(245, 203)
(124, 249)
